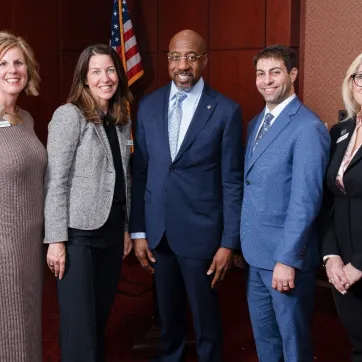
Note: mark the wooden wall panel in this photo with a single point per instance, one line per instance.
(6, 16)
(68, 61)
(233, 29)
(84, 22)
(175, 16)
(144, 19)
(148, 82)
(237, 24)
(233, 74)
(30, 23)
(283, 22)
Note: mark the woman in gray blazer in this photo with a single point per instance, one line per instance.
(87, 200)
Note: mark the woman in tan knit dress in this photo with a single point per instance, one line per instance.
(22, 164)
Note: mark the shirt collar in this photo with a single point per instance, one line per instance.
(359, 118)
(195, 91)
(280, 107)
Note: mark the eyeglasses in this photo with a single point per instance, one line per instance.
(357, 79)
(191, 58)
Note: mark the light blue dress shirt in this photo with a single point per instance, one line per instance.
(188, 106)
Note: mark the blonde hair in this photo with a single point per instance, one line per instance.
(8, 41)
(350, 103)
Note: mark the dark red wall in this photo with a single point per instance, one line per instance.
(234, 30)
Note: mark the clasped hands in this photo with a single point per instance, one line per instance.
(340, 275)
(221, 262)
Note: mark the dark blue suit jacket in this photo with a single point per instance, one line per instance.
(196, 199)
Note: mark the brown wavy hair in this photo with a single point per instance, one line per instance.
(80, 95)
(281, 52)
(8, 41)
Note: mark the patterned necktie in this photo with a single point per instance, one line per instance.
(266, 125)
(174, 120)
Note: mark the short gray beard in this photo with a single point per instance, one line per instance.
(184, 89)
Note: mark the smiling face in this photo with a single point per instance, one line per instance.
(183, 72)
(273, 81)
(13, 73)
(357, 90)
(102, 79)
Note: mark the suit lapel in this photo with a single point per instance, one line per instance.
(279, 124)
(358, 155)
(204, 110)
(254, 127)
(104, 140)
(341, 150)
(163, 118)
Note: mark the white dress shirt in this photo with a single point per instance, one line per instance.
(275, 112)
(188, 106)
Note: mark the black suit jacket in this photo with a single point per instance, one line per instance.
(344, 233)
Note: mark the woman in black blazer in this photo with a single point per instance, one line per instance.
(342, 243)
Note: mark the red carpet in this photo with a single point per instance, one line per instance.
(330, 341)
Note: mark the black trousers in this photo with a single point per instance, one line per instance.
(87, 291)
(349, 307)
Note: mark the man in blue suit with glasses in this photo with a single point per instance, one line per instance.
(186, 197)
(286, 157)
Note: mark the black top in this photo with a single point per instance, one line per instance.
(119, 196)
(344, 207)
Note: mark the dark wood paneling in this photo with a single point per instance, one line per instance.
(148, 82)
(144, 19)
(162, 70)
(282, 22)
(6, 16)
(302, 48)
(232, 73)
(68, 62)
(237, 24)
(84, 22)
(30, 23)
(174, 16)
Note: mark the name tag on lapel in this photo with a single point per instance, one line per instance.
(4, 124)
(129, 143)
(342, 137)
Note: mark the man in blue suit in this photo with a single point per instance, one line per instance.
(186, 197)
(286, 157)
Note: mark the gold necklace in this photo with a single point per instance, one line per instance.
(13, 119)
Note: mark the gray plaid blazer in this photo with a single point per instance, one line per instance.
(80, 176)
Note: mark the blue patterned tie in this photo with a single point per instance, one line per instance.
(266, 125)
(174, 120)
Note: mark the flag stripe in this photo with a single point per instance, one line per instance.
(123, 40)
(130, 43)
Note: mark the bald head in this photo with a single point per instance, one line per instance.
(187, 59)
(189, 37)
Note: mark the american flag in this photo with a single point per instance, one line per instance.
(124, 41)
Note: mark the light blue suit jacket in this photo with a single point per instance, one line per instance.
(283, 190)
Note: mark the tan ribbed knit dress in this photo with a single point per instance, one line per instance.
(22, 164)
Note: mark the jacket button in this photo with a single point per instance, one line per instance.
(171, 169)
(247, 182)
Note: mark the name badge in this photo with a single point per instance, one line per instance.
(129, 143)
(342, 137)
(4, 124)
